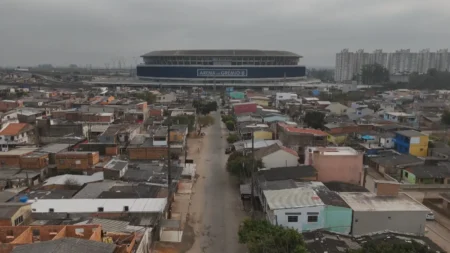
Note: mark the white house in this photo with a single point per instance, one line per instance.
(284, 96)
(387, 140)
(337, 108)
(297, 208)
(15, 133)
(277, 156)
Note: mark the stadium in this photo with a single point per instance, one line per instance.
(221, 66)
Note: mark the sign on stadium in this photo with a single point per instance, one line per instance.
(222, 72)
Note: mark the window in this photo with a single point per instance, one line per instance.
(387, 141)
(51, 210)
(18, 221)
(12, 138)
(100, 209)
(126, 208)
(313, 218)
(406, 174)
(292, 218)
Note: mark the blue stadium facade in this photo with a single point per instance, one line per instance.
(221, 65)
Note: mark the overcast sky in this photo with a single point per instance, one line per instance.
(95, 32)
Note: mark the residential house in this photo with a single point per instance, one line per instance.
(337, 213)
(237, 95)
(275, 118)
(119, 133)
(322, 104)
(83, 161)
(338, 132)
(337, 108)
(115, 169)
(6, 105)
(11, 158)
(343, 164)
(299, 138)
(15, 134)
(387, 140)
(411, 142)
(427, 174)
(34, 161)
(15, 214)
(262, 101)
(240, 108)
(143, 147)
(401, 118)
(58, 239)
(276, 156)
(297, 208)
(166, 98)
(430, 120)
(100, 207)
(391, 162)
(309, 100)
(359, 112)
(281, 96)
(385, 210)
(60, 182)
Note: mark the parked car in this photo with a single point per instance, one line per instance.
(430, 216)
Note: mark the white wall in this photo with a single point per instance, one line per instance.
(387, 142)
(280, 158)
(280, 217)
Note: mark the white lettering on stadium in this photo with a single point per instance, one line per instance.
(221, 72)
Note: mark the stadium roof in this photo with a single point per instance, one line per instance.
(220, 52)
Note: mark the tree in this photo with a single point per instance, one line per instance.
(204, 107)
(240, 165)
(71, 184)
(390, 247)
(182, 120)
(147, 96)
(232, 138)
(230, 125)
(204, 121)
(374, 74)
(314, 119)
(260, 237)
(445, 118)
(325, 75)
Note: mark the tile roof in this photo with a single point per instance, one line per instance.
(291, 151)
(312, 131)
(13, 129)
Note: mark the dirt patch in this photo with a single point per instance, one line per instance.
(188, 237)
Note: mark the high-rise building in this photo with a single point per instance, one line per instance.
(403, 61)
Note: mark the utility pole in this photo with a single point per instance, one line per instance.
(169, 172)
(251, 174)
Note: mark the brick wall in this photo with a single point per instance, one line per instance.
(147, 153)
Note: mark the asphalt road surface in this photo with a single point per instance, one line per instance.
(216, 209)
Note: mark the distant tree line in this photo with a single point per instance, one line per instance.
(325, 75)
(374, 74)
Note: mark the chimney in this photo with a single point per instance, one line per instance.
(386, 188)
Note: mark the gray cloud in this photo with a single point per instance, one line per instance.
(93, 32)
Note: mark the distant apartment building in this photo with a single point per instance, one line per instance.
(403, 61)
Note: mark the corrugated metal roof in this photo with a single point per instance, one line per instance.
(80, 179)
(292, 198)
(93, 190)
(116, 225)
(147, 205)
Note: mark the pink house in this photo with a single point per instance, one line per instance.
(343, 164)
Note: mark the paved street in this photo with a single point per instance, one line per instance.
(216, 210)
(438, 234)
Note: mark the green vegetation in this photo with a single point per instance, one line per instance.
(182, 120)
(240, 165)
(325, 75)
(229, 121)
(204, 121)
(432, 80)
(314, 119)
(260, 237)
(230, 125)
(147, 96)
(232, 138)
(445, 118)
(204, 107)
(374, 74)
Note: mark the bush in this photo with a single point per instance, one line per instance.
(230, 125)
(232, 138)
